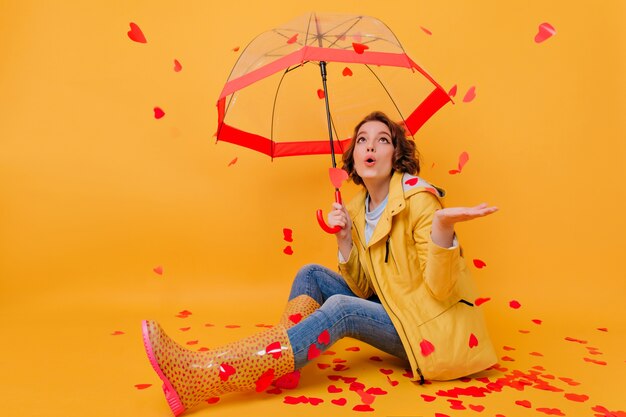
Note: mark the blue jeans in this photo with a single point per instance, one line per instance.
(342, 313)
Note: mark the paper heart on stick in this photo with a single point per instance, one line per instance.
(337, 176)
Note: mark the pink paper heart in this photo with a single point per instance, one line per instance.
(452, 91)
(463, 158)
(365, 397)
(337, 176)
(135, 34)
(293, 39)
(545, 31)
(470, 95)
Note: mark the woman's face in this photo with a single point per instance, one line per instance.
(373, 151)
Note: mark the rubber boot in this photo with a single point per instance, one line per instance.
(297, 309)
(190, 377)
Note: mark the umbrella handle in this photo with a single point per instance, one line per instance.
(322, 222)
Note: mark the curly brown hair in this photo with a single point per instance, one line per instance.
(405, 158)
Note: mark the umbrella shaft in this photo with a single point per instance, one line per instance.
(330, 128)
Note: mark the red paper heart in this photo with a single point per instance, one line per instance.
(320, 93)
(576, 397)
(470, 95)
(158, 113)
(329, 352)
(550, 411)
(426, 347)
(537, 321)
(362, 407)
(295, 318)
(426, 31)
(412, 181)
(535, 354)
(392, 382)
(274, 349)
(357, 386)
(454, 172)
(428, 398)
(353, 349)
(457, 405)
(287, 234)
(359, 48)
(117, 333)
(376, 391)
(597, 362)
(365, 397)
(479, 264)
(265, 380)
(463, 158)
(288, 381)
(293, 39)
(232, 326)
(313, 353)
(177, 66)
(386, 371)
(339, 401)
(288, 250)
(158, 270)
(339, 360)
(340, 367)
(603, 329)
(324, 365)
(347, 379)
(347, 72)
(324, 338)
(233, 162)
(480, 301)
(135, 34)
(315, 401)
(142, 386)
(184, 329)
(226, 371)
(545, 31)
(477, 408)
(508, 359)
(295, 400)
(213, 400)
(473, 341)
(376, 358)
(524, 403)
(514, 304)
(452, 91)
(332, 389)
(337, 176)
(235, 49)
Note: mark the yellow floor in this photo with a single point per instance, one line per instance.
(79, 355)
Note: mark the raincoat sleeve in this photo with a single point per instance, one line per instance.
(354, 275)
(440, 267)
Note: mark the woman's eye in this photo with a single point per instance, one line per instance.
(359, 140)
(384, 140)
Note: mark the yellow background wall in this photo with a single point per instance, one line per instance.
(95, 192)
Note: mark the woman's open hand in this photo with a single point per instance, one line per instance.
(442, 232)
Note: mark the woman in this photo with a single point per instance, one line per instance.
(403, 287)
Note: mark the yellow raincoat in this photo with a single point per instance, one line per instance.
(426, 289)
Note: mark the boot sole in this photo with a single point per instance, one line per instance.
(173, 400)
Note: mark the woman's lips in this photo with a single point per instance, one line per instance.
(370, 162)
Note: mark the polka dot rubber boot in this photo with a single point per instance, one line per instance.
(297, 310)
(190, 377)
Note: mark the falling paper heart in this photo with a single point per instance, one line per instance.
(426, 347)
(337, 176)
(158, 270)
(479, 264)
(177, 66)
(235, 49)
(324, 338)
(135, 34)
(524, 403)
(480, 301)
(347, 72)
(287, 235)
(320, 93)
(545, 31)
(452, 91)
(233, 162)
(158, 113)
(426, 31)
(536, 321)
(365, 397)
(514, 304)
(578, 398)
(293, 39)
(142, 386)
(470, 95)
(473, 341)
(359, 48)
(288, 250)
(362, 407)
(117, 333)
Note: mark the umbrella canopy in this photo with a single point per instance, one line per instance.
(274, 100)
